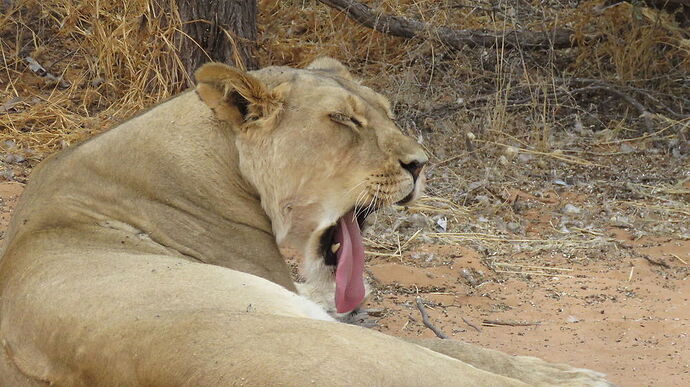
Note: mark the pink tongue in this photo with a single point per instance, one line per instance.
(349, 278)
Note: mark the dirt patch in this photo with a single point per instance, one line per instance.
(623, 316)
(9, 194)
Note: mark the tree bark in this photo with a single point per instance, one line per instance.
(217, 30)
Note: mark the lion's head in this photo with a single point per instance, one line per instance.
(323, 152)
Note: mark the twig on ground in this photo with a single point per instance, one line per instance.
(532, 266)
(510, 323)
(615, 89)
(43, 73)
(655, 262)
(555, 155)
(411, 28)
(537, 273)
(478, 329)
(622, 91)
(679, 258)
(641, 109)
(425, 319)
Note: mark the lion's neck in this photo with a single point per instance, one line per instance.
(173, 174)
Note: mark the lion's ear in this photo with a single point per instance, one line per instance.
(233, 94)
(328, 64)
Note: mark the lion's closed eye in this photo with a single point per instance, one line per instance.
(345, 119)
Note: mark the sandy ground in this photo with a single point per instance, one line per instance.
(624, 312)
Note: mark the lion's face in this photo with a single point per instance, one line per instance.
(323, 152)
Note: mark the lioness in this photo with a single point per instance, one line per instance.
(149, 255)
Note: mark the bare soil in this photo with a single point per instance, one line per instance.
(624, 311)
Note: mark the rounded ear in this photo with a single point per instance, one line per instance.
(330, 65)
(234, 95)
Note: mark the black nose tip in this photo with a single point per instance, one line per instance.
(414, 167)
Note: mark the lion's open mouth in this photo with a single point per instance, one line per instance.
(342, 247)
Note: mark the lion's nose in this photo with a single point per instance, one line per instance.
(414, 167)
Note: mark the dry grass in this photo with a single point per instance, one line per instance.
(119, 57)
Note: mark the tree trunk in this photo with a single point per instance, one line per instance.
(217, 30)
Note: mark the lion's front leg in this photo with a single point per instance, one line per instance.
(531, 370)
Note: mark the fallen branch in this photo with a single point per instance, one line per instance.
(425, 319)
(411, 28)
(624, 92)
(597, 84)
(511, 323)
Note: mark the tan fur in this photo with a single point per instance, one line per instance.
(149, 255)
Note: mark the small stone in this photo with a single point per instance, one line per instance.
(578, 124)
(474, 185)
(7, 174)
(97, 82)
(626, 148)
(620, 221)
(571, 209)
(418, 221)
(442, 223)
(604, 135)
(525, 157)
(483, 199)
(513, 226)
(511, 152)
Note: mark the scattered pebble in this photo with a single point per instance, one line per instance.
(427, 257)
(571, 209)
(442, 224)
(7, 174)
(627, 148)
(513, 226)
(511, 152)
(620, 221)
(525, 157)
(12, 158)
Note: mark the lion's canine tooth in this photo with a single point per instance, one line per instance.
(335, 247)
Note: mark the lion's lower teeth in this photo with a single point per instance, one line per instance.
(335, 247)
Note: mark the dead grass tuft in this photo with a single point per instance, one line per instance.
(116, 56)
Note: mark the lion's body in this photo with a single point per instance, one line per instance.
(148, 256)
